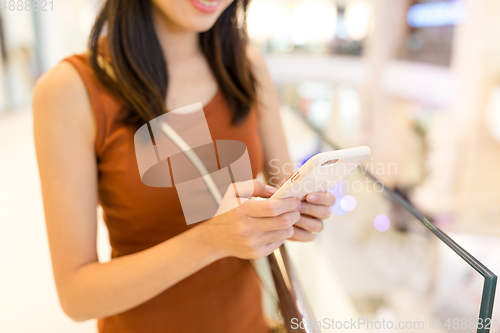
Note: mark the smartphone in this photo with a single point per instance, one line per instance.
(322, 172)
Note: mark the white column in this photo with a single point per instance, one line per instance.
(3, 93)
(476, 64)
(380, 126)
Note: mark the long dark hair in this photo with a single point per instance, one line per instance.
(139, 65)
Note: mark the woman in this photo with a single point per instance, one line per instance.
(165, 276)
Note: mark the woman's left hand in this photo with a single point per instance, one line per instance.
(315, 208)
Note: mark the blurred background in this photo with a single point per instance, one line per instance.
(417, 81)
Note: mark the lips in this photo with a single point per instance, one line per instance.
(206, 6)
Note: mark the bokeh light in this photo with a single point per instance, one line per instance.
(357, 19)
(313, 21)
(436, 14)
(337, 208)
(381, 222)
(348, 203)
(267, 20)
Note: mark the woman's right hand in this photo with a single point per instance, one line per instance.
(255, 228)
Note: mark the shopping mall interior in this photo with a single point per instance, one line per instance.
(418, 81)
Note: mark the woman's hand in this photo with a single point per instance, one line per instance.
(255, 228)
(313, 210)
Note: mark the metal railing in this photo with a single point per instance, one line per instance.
(293, 303)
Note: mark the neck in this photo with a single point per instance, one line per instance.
(177, 43)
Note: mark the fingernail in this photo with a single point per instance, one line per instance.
(300, 207)
(322, 226)
(271, 189)
(312, 197)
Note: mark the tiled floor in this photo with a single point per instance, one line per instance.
(28, 301)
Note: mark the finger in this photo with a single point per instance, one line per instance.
(255, 188)
(275, 236)
(271, 207)
(269, 248)
(314, 210)
(280, 222)
(300, 235)
(239, 192)
(309, 224)
(250, 188)
(321, 198)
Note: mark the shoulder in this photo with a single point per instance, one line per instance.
(61, 85)
(61, 101)
(259, 67)
(256, 58)
(267, 97)
(257, 63)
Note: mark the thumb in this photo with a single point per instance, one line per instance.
(254, 188)
(262, 190)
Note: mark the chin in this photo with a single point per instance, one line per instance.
(197, 24)
(193, 15)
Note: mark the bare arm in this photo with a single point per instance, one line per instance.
(64, 138)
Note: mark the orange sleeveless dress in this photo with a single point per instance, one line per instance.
(222, 297)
